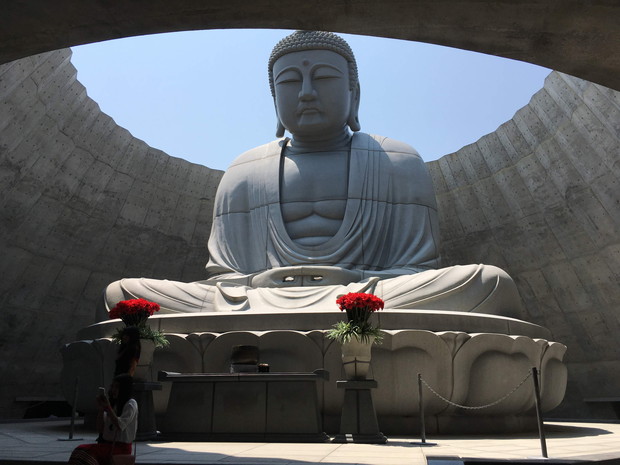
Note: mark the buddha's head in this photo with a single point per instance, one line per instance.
(314, 83)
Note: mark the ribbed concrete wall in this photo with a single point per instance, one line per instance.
(82, 203)
(540, 197)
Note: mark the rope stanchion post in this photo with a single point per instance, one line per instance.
(421, 416)
(73, 412)
(541, 429)
(73, 407)
(421, 402)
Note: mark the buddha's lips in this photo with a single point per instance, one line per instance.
(303, 110)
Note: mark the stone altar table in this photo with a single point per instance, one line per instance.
(279, 407)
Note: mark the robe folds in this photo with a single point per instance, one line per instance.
(390, 220)
(388, 241)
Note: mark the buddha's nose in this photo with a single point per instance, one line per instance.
(307, 91)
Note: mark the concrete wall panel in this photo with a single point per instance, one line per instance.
(83, 203)
(552, 205)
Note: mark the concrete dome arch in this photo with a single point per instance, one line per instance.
(577, 37)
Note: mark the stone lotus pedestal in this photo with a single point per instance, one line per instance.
(470, 359)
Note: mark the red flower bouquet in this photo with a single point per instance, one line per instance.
(359, 306)
(359, 300)
(135, 312)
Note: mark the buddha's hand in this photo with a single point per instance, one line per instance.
(307, 275)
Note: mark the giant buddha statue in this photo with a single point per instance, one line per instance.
(330, 210)
(302, 220)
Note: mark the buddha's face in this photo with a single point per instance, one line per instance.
(312, 94)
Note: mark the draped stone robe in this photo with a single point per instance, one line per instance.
(389, 235)
(390, 221)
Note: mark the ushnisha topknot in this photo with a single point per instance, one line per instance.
(313, 40)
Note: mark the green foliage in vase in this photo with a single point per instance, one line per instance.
(146, 332)
(344, 331)
(358, 306)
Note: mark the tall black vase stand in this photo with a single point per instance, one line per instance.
(358, 422)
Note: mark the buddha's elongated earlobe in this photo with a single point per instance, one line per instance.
(353, 120)
(354, 123)
(279, 129)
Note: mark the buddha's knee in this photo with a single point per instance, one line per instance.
(112, 294)
(503, 297)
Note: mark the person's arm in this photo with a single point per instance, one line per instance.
(105, 406)
(129, 412)
(100, 421)
(102, 403)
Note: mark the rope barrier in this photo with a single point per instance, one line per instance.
(533, 374)
(479, 406)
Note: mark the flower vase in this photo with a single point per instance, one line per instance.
(356, 358)
(143, 369)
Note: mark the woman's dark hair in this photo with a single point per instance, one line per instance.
(128, 350)
(133, 332)
(125, 392)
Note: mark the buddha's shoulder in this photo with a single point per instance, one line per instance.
(253, 166)
(406, 169)
(396, 149)
(258, 154)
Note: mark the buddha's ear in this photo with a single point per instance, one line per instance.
(279, 129)
(279, 126)
(353, 121)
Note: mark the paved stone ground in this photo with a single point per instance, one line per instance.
(37, 442)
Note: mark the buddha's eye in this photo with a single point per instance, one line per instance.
(321, 76)
(288, 77)
(326, 72)
(287, 81)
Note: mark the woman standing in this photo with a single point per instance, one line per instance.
(117, 423)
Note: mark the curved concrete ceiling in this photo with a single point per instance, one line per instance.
(578, 37)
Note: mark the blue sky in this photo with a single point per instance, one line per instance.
(204, 96)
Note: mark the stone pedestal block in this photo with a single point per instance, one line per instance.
(143, 393)
(359, 419)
